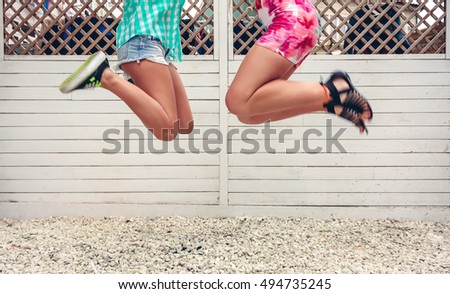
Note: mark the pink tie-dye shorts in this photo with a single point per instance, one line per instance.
(293, 27)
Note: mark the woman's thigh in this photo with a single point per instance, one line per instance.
(155, 79)
(185, 118)
(259, 67)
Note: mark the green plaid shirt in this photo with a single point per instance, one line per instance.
(159, 18)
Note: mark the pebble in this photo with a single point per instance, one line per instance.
(176, 245)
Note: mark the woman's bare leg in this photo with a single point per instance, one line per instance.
(259, 87)
(276, 116)
(152, 98)
(185, 118)
(260, 91)
(272, 117)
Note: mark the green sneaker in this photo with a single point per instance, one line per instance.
(88, 75)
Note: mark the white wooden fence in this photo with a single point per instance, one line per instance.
(51, 159)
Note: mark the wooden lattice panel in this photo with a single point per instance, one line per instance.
(361, 27)
(83, 27)
(349, 27)
(246, 26)
(197, 27)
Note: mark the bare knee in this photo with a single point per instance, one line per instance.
(164, 134)
(236, 103)
(166, 131)
(168, 137)
(255, 120)
(232, 102)
(185, 127)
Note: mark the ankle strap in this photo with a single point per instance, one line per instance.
(332, 96)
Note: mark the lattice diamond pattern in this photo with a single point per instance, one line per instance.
(362, 27)
(83, 27)
(349, 27)
(197, 27)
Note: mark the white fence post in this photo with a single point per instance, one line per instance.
(447, 33)
(2, 37)
(221, 9)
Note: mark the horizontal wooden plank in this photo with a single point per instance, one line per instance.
(380, 79)
(411, 91)
(68, 66)
(341, 186)
(382, 119)
(342, 133)
(367, 145)
(96, 133)
(171, 159)
(263, 172)
(311, 65)
(72, 159)
(21, 106)
(403, 106)
(194, 93)
(325, 159)
(279, 134)
(390, 79)
(89, 119)
(43, 210)
(209, 119)
(339, 173)
(48, 93)
(54, 80)
(109, 173)
(182, 145)
(386, 119)
(393, 65)
(154, 198)
(102, 185)
(340, 199)
(53, 93)
(38, 93)
(198, 145)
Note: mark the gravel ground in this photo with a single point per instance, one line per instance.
(228, 245)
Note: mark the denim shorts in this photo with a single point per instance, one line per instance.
(143, 47)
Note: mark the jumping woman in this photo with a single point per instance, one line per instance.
(148, 41)
(261, 91)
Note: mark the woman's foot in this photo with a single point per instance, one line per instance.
(88, 75)
(345, 101)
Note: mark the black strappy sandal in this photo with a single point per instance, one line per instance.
(354, 105)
